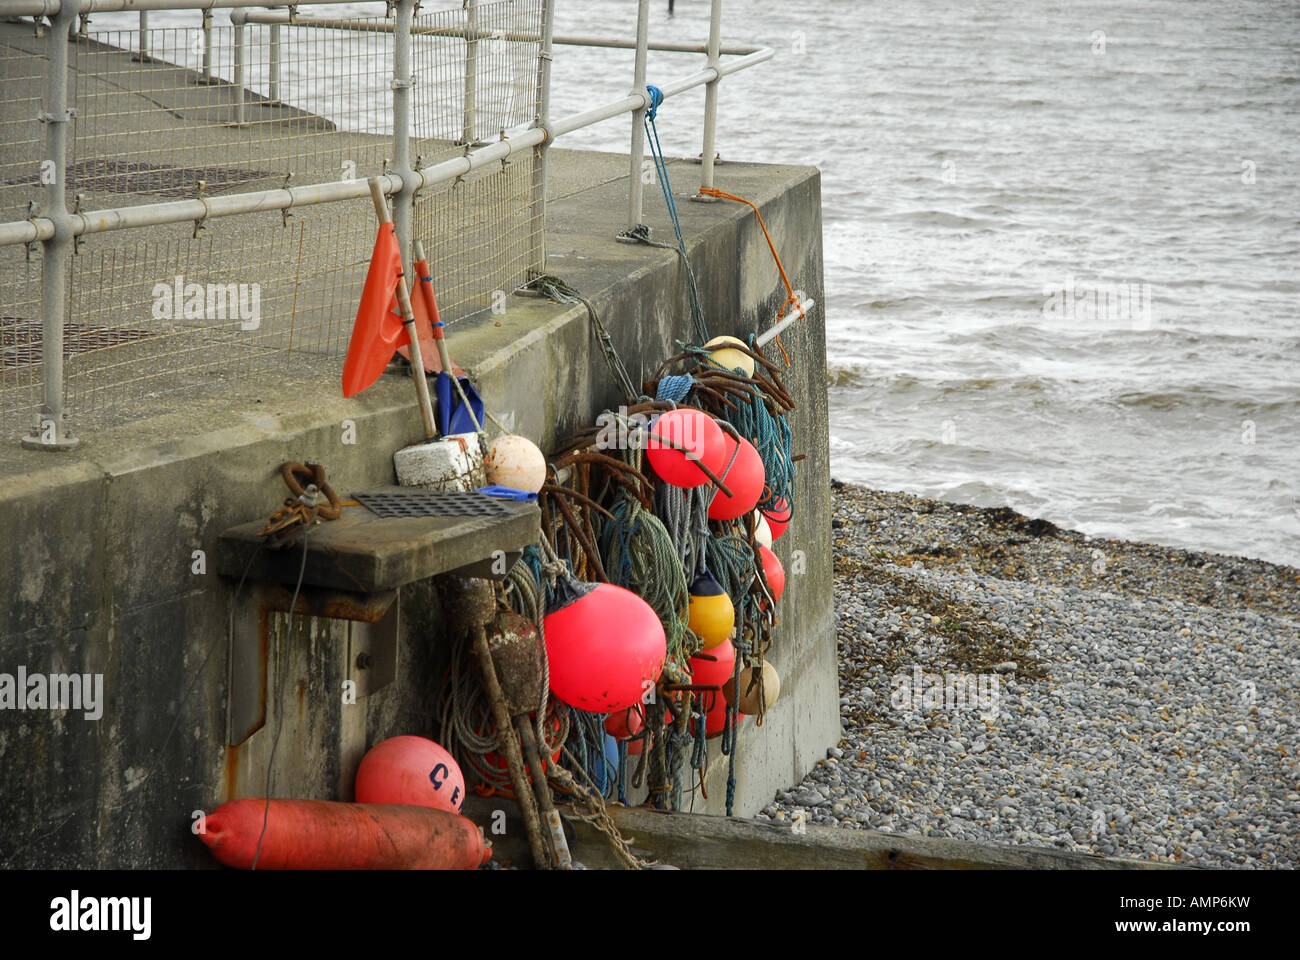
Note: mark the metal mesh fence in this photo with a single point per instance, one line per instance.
(22, 138)
(160, 314)
(240, 107)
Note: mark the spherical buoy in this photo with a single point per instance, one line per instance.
(516, 462)
(715, 672)
(728, 357)
(605, 646)
(712, 617)
(744, 480)
(749, 698)
(698, 433)
(622, 724)
(762, 532)
(411, 770)
(778, 516)
(774, 572)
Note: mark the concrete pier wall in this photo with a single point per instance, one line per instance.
(107, 552)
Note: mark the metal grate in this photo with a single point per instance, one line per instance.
(21, 341)
(423, 504)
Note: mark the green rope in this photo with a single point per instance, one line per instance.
(556, 289)
(638, 554)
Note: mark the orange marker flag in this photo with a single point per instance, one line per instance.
(377, 332)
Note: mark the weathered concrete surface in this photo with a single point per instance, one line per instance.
(99, 573)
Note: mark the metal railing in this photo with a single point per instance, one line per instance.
(254, 106)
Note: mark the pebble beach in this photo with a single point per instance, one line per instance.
(1006, 681)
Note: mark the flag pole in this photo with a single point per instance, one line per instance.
(408, 318)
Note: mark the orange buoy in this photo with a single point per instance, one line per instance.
(323, 835)
(411, 770)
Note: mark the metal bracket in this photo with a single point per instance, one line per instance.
(284, 211)
(68, 114)
(199, 224)
(293, 14)
(397, 84)
(76, 210)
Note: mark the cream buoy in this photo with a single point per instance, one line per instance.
(762, 532)
(515, 462)
(729, 357)
(749, 703)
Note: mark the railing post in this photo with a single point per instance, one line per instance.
(53, 430)
(144, 35)
(238, 18)
(635, 193)
(274, 55)
(537, 255)
(471, 72)
(206, 70)
(711, 95)
(404, 200)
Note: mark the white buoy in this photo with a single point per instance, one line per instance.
(762, 532)
(515, 462)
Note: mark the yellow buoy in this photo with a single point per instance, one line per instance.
(712, 617)
(749, 696)
(728, 357)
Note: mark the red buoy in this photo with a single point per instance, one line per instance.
(744, 479)
(622, 724)
(411, 770)
(714, 673)
(778, 516)
(774, 572)
(321, 835)
(698, 433)
(606, 648)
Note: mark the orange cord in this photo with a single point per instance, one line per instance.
(789, 289)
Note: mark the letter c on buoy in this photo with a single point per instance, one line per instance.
(435, 778)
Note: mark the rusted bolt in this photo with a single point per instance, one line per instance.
(363, 661)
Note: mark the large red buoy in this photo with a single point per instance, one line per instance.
(694, 430)
(714, 673)
(774, 572)
(744, 479)
(321, 835)
(605, 646)
(411, 770)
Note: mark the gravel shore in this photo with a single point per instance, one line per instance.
(1096, 695)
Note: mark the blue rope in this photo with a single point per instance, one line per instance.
(661, 168)
(771, 438)
(675, 388)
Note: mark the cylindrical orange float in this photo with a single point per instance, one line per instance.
(323, 835)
